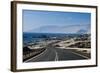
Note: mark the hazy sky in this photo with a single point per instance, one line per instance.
(35, 19)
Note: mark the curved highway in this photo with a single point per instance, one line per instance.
(56, 54)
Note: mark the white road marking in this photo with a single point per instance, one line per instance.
(56, 58)
(36, 56)
(80, 55)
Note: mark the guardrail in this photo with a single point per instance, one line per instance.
(32, 53)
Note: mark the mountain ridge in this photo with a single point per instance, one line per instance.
(80, 29)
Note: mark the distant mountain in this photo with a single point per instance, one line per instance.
(62, 29)
(82, 31)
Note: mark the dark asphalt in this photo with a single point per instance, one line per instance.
(55, 54)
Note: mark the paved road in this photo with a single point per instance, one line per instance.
(56, 54)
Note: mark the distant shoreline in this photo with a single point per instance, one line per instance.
(58, 33)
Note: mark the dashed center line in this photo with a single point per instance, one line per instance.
(56, 57)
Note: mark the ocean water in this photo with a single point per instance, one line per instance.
(35, 37)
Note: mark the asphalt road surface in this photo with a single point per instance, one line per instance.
(56, 54)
